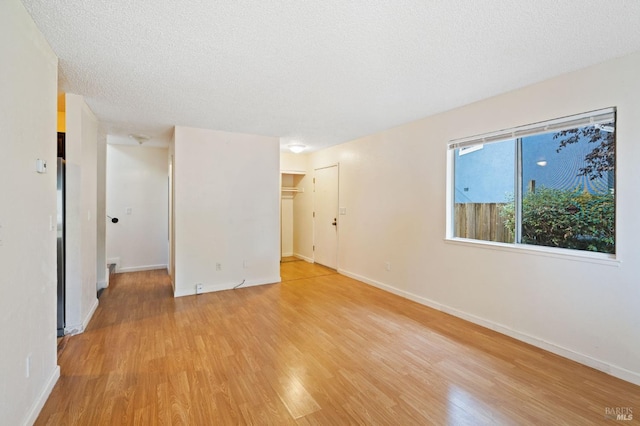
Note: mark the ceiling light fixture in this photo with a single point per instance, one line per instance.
(297, 148)
(140, 138)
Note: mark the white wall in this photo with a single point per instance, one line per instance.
(290, 162)
(171, 267)
(137, 179)
(102, 274)
(81, 210)
(28, 83)
(393, 187)
(226, 209)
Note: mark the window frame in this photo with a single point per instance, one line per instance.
(517, 133)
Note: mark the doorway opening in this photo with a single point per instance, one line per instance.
(290, 185)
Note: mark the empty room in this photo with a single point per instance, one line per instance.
(320, 213)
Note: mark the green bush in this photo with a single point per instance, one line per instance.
(567, 219)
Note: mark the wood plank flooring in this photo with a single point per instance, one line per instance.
(317, 349)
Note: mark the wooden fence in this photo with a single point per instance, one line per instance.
(481, 221)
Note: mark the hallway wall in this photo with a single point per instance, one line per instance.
(28, 83)
(81, 214)
(137, 194)
(227, 221)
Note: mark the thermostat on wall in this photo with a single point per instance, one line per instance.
(41, 166)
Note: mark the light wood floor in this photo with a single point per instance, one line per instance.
(318, 348)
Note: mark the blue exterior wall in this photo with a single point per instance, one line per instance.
(487, 175)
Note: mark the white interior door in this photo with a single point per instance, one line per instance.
(326, 216)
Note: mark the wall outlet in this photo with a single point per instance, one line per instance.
(387, 266)
(245, 264)
(198, 288)
(218, 267)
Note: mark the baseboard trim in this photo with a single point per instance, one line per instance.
(209, 288)
(608, 368)
(72, 330)
(33, 413)
(92, 311)
(141, 268)
(289, 254)
(305, 258)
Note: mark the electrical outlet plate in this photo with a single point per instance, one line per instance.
(198, 288)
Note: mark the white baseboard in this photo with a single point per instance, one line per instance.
(141, 268)
(35, 409)
(289, 254)
(92, 311)
(305, 258)
(74, 329)
(613, 370)
(208, 288)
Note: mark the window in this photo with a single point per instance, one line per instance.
(548, 184)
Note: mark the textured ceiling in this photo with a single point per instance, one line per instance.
(317, 72)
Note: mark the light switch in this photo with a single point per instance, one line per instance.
(128, 210)
(343, 211)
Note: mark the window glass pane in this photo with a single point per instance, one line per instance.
(484, 189)
(552, 184)
(568, 189)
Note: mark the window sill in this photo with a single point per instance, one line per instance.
(557, 253)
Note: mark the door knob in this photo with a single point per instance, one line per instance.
(335, 221)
